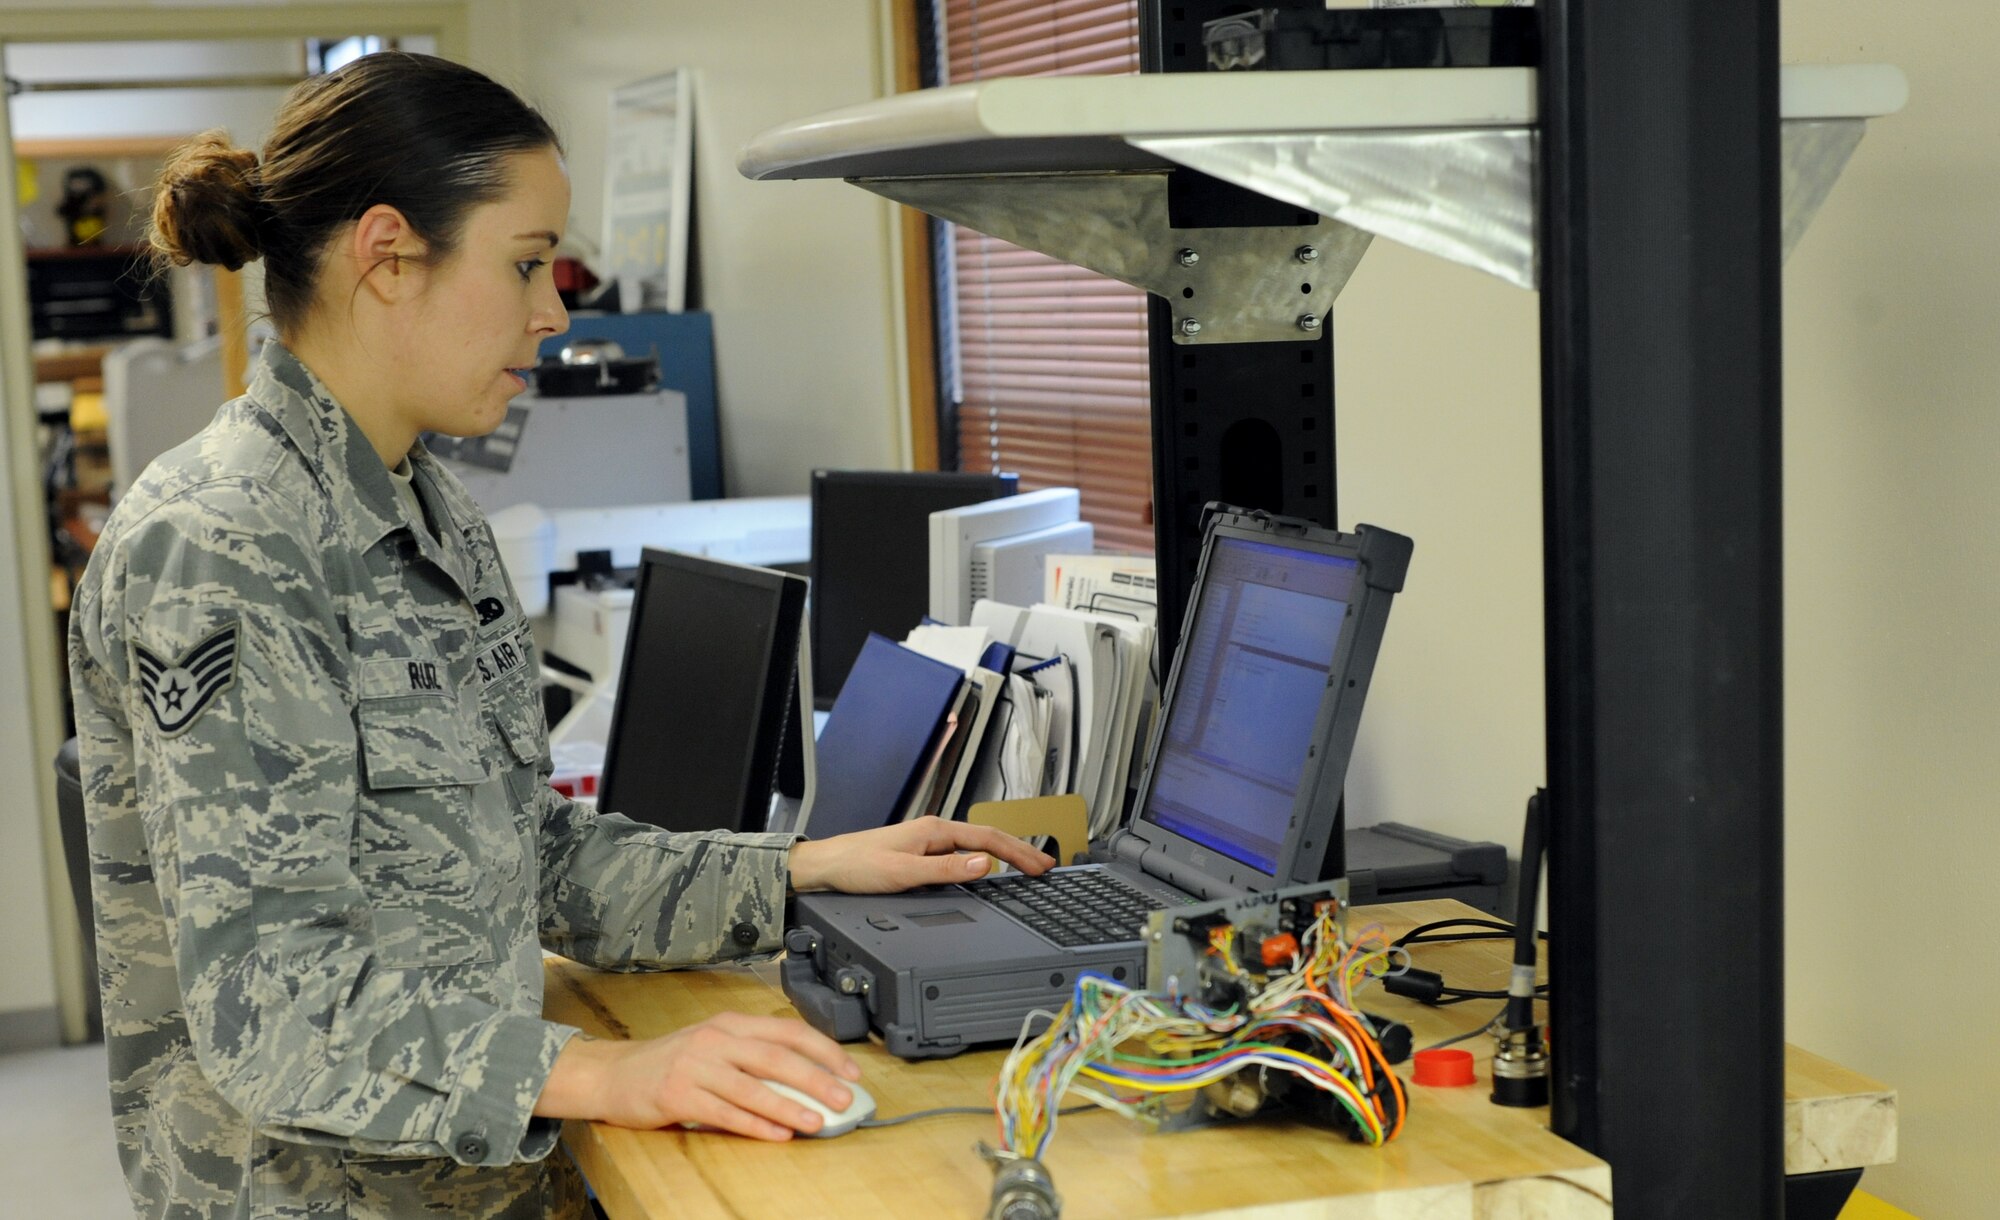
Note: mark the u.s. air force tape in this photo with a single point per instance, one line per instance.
(505, 655)
(178, 691)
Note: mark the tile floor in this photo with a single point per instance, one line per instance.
(57, 1157)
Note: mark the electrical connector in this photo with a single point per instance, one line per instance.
(1278, 950)
(1520, 1067)
(1022, 1187)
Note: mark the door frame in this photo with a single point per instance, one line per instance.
(24, 556)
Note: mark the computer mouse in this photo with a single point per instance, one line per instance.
(837, 1122)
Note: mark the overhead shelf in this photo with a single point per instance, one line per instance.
(1441, 159)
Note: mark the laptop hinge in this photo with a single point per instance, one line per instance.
(1155, 863)
(1125, 845)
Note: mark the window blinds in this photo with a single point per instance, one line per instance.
(1051, 359)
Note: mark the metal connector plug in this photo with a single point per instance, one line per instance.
(1022, 1187)
(1520, 1067)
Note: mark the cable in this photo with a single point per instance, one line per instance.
(1429, 987)
(1498, 1017)
(914, 1115)
(949, 1111)
(1122, 1048)
(1521, 989)
(1421, 935)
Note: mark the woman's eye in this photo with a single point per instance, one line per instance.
(527, 268)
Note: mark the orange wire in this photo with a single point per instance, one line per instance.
(1367, 1039)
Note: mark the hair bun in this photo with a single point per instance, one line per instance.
(209, 207)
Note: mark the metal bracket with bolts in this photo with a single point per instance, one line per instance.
(1239, 285)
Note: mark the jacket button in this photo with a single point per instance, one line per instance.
(745, 934)
(471, 1147)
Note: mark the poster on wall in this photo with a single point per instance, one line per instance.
(648, 165)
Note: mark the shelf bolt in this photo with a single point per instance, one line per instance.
(1308, 322)
(1191, 328)
(1307, 254)
(1188, 258)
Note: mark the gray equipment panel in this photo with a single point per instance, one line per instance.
(1391, 862)
(601, 451)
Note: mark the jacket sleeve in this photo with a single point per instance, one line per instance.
(217, 624)
(619, 895)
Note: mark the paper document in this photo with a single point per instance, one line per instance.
(917, 802)
(1023, 749)
(1120, 586)
(960, 646)
(1115, 688)
(983, 688)
(1054, 681)
(1014, 751)
(1044, 633)
(1119, 658)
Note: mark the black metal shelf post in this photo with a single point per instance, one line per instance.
(1249, 424)
(1663, 558)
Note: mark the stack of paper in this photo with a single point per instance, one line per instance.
(1118, 586)
(1042, 700)
(964, 648)
(1097, 670)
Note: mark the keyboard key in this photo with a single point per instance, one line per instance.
(1072, 908)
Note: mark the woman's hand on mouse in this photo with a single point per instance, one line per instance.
(711, 1073)
(921, 851)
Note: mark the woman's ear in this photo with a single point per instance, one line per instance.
(387, 253)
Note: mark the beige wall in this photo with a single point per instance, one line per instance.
(1892, 586)
(1439, 437)
(797, 274)
(1892, 580)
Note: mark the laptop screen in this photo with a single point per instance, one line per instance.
(1232, 750)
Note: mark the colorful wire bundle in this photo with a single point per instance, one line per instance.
(1120, 1047)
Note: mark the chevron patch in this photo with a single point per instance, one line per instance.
(177, 692)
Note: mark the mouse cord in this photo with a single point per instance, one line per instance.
(944, 1111)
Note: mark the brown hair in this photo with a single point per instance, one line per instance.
(426, 136)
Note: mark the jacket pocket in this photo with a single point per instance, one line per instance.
(514, 704)
(413, 739)
(422, 854)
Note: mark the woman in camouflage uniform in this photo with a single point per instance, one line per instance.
(324, 855)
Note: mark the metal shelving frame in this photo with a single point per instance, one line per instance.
(1649, 178)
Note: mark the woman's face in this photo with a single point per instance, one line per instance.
(484, 311)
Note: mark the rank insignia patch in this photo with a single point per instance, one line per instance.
(178, 691)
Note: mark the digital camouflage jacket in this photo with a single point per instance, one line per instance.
(324, 855)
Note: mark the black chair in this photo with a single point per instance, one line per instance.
(76, 854)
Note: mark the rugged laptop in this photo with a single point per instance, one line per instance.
(1240, 793)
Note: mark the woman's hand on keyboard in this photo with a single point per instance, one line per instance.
(922, 851)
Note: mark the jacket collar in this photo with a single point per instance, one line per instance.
(346, 465)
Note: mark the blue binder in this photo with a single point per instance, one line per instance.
(998, 657)
(878, 736)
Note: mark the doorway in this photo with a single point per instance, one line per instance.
(222, 66)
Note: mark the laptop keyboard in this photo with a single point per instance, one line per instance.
(1085, 906)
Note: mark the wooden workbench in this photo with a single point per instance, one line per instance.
(1459, 1155)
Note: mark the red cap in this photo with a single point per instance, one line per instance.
(1444, 1069)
